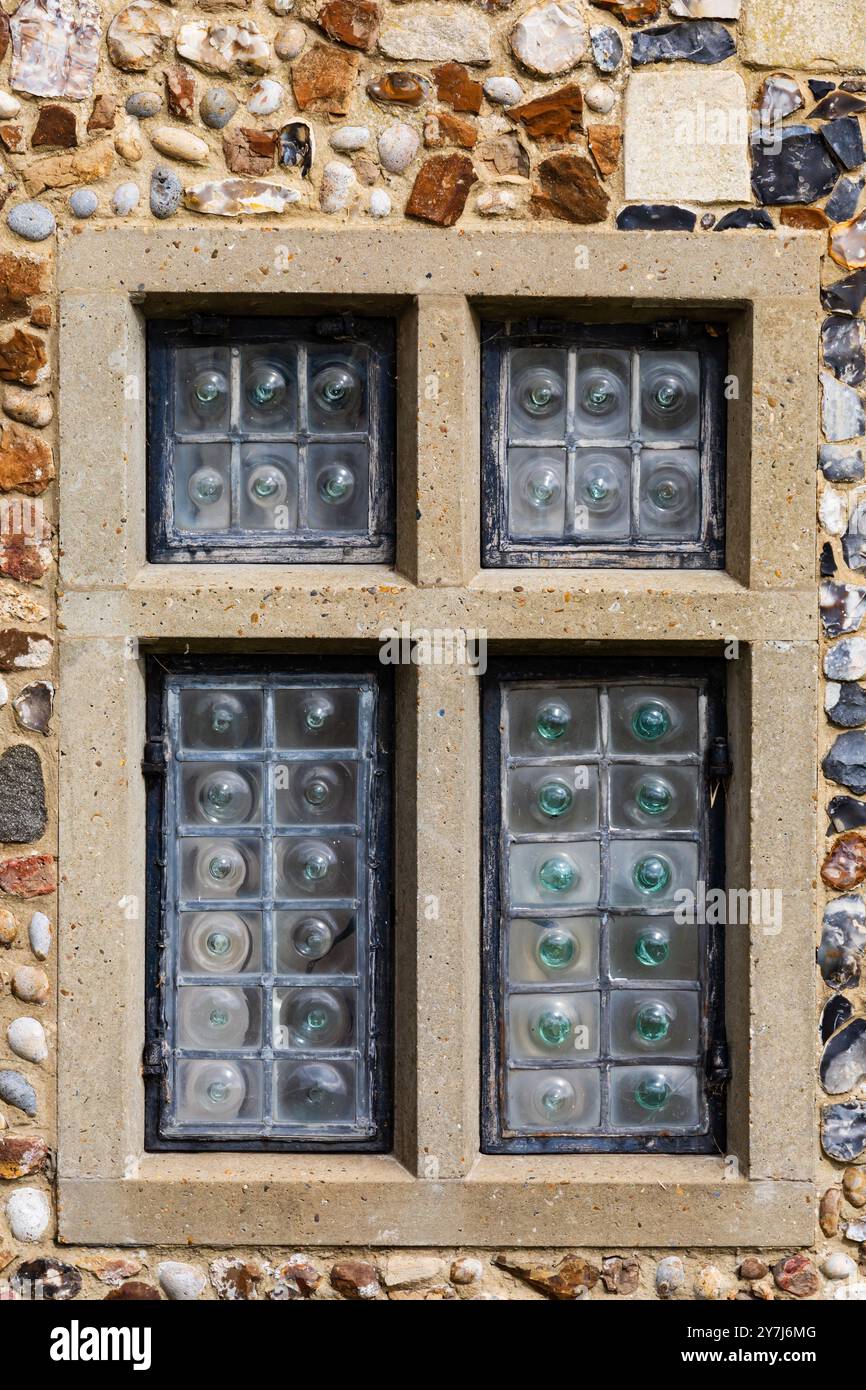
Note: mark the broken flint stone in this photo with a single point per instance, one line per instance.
(843, 1130)
(843, 938)
(646, 217)
(791, 165)
(843, 1064)
(699, 41)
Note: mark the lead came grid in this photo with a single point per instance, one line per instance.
(273, 440)
(298, 1063)
(604, 444)
(602, 1040)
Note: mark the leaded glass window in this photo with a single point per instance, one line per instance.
(602, 981)
(271, 439)
(603, 444)
(270, 906)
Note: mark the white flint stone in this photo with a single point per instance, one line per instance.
(291, 40)
(436, 33)
(549, 39)
(842, 413)
(706, 9)
(350, 137)
(599, 97)
(338, 186)
(26, 1038)
(846, 661)
(183, 1283)
(9, 106)
(28, 1214)
(686, 137)
(224, 48)
(504, 91)
(380, 203)
(466, 1270)
(265, 97)
(125, 199)
(832, 511)
(838, 1265)
(832, 692)
(40, 936)
(4, 692)
(496, 202)
(780, 96)
(398, 145)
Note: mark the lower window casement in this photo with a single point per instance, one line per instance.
(603, 830)
(268, 990)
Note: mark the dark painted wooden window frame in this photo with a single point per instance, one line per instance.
(168, 544)
(498, 549)
(379, 1041)
(714, 1059)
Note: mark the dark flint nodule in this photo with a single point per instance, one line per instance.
(843, 937)
(791, 165)
(845, 139)
(741, 219)
(842, 203)
(606, 47)
(843, 1130)
(838, 104)
(841, 607)
(849, 711)
(846, 295)
(836, 1011)
(842, 340)
(645, 217)
(699, 41)
(45, 1278)
(841, 463)
(843, 1063)
(845, 763)
(296, 146)
(828, 561)
(819, 88)
(846, 813)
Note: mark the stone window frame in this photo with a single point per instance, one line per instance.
(436, 1187)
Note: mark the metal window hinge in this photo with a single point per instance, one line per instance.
(718, 1067)
(153, 762)
(669, 330)
(720, 766)
(152, 1062)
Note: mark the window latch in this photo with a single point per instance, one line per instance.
(669, 331)
(720, 768)
(153, 762)
(152, 1059)
(718, 1067)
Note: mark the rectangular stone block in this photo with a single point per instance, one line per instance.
(686, 137)
(809, 34)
